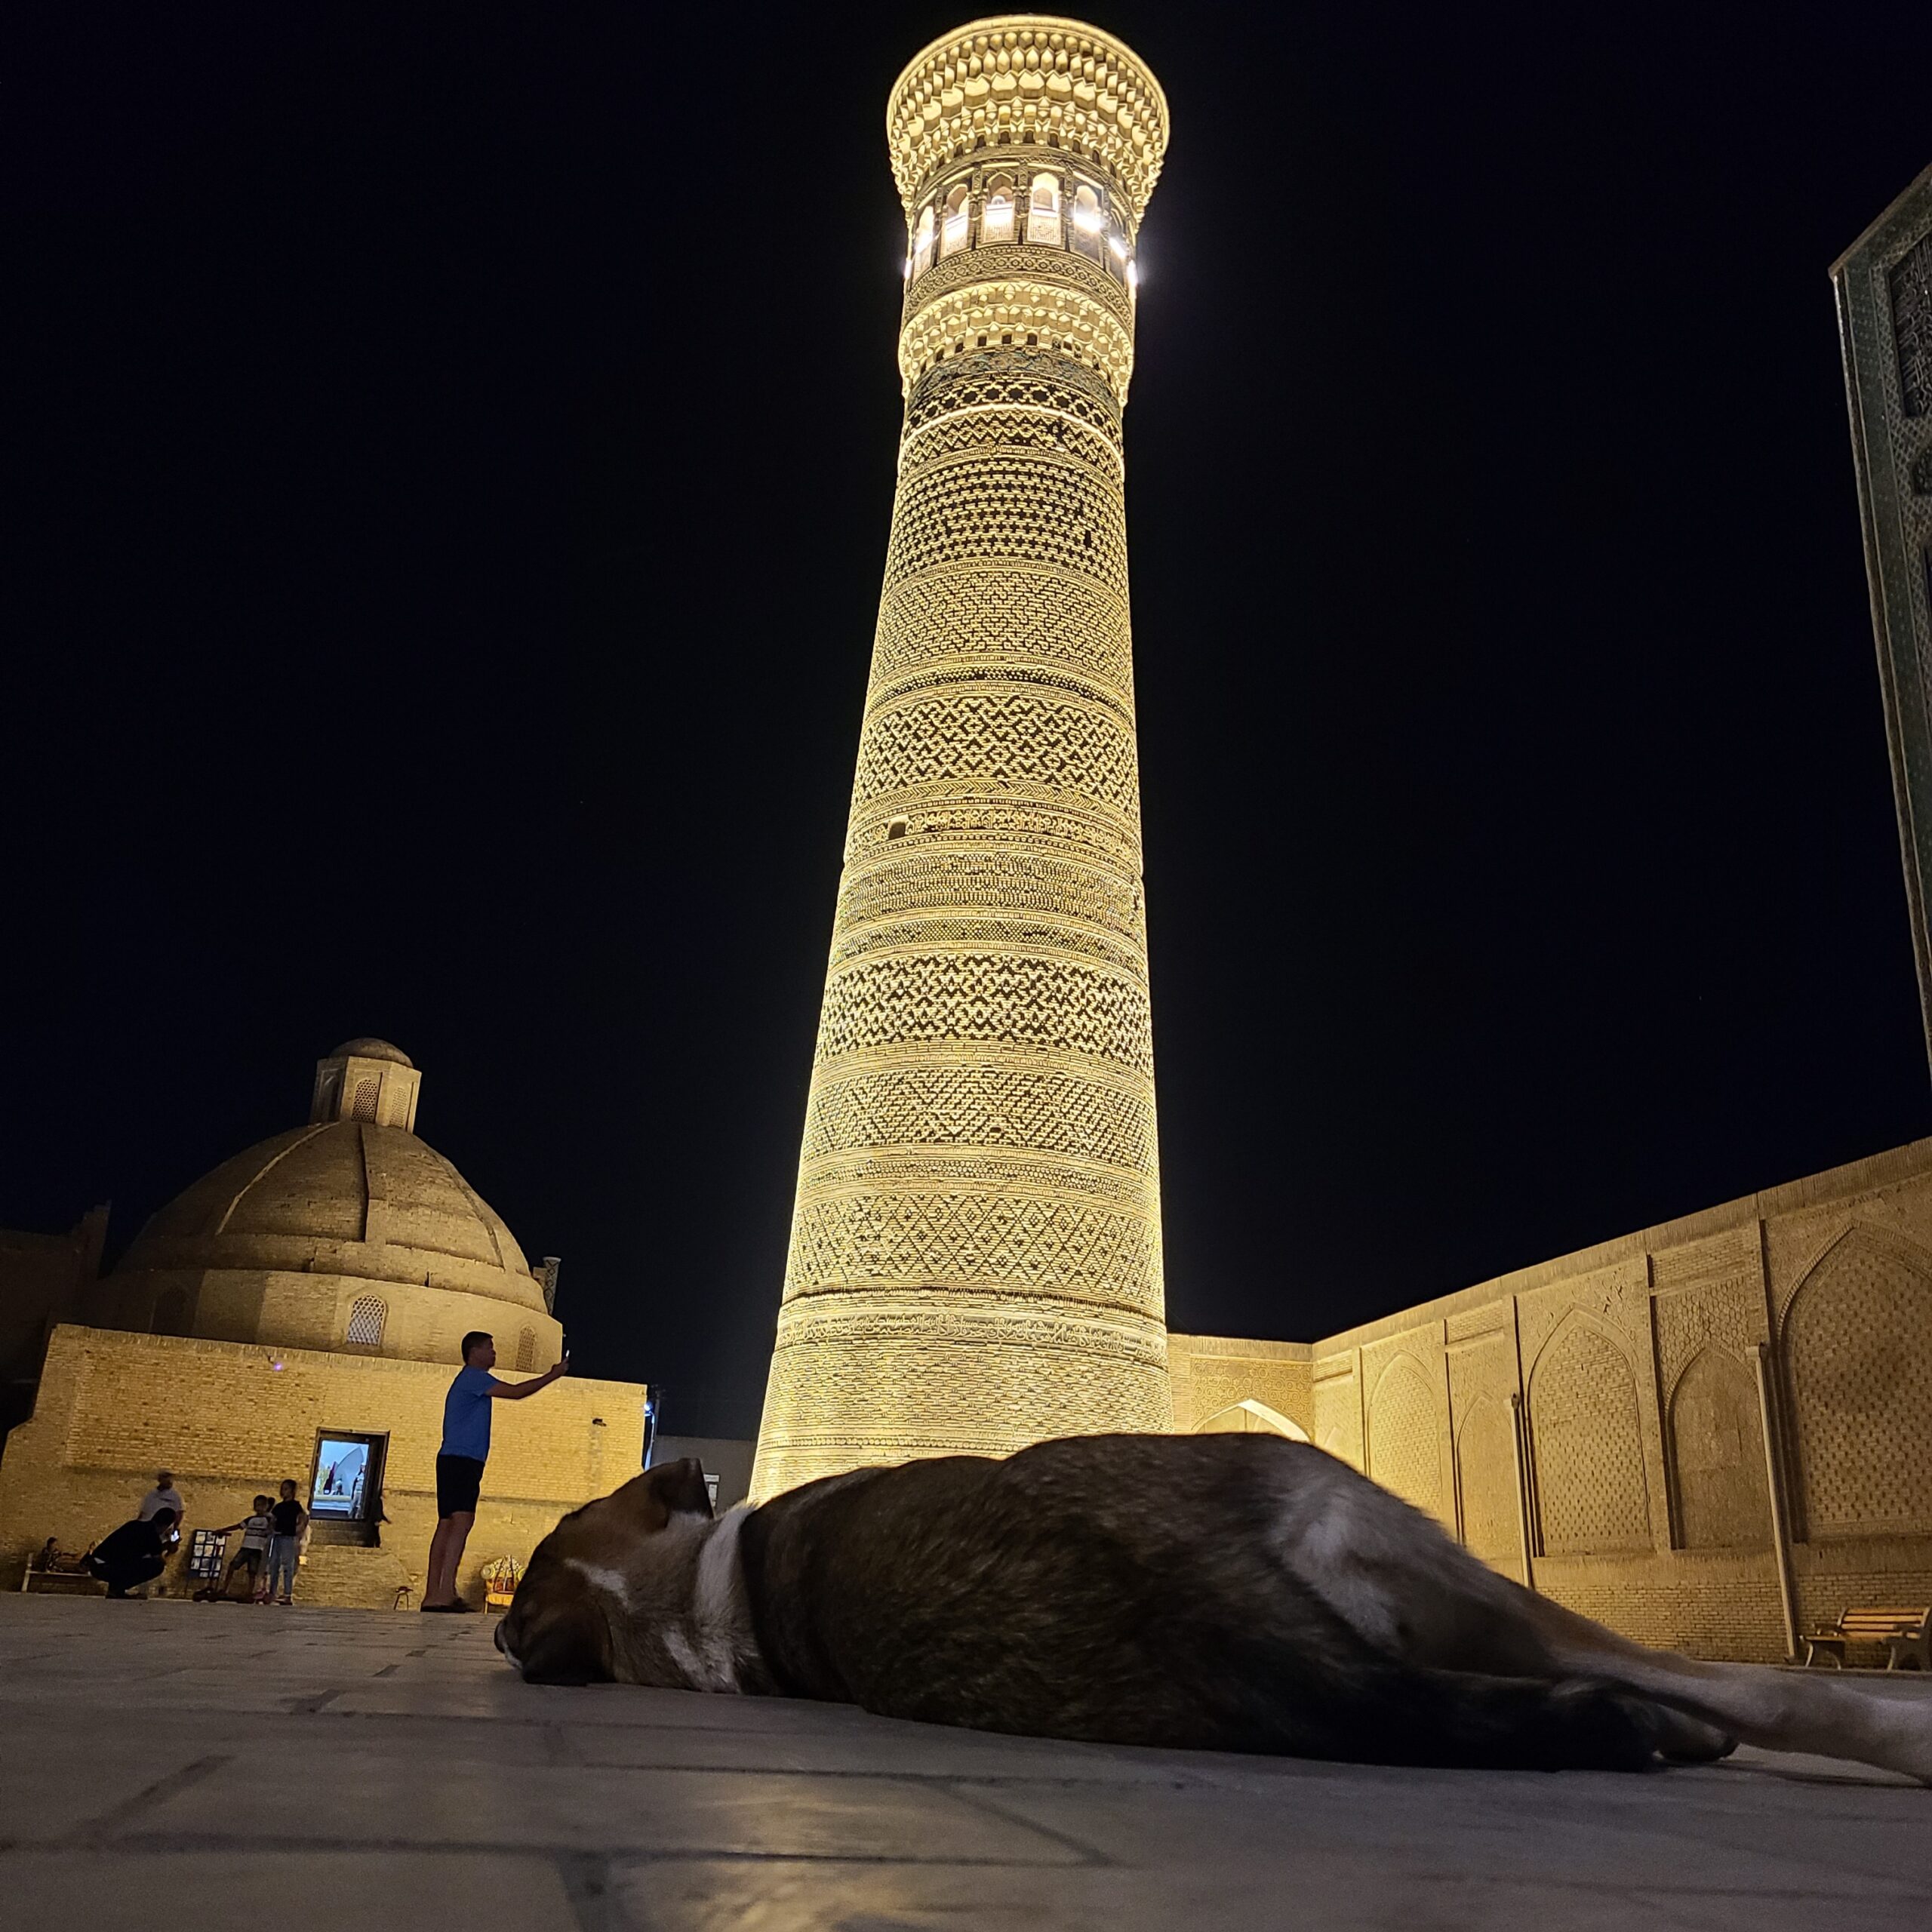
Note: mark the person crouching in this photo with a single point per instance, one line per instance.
(134, 1553)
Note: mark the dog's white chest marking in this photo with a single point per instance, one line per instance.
(719, 1625)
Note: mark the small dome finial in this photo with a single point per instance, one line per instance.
(366, 1079)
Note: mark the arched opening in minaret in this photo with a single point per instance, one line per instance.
(996, 219)
(1088, 220)
(952, 230)
(1043, 225)
(922, 242)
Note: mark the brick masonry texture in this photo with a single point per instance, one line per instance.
(114, 1408)
(1603, 1409)
(986, 1012)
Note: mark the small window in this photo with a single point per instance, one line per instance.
(996, 220)
(895, 828)
(1043, 212)
(366, 1318)
(526, 1350)
(364, 1107)
(952, 230)
(922, 242)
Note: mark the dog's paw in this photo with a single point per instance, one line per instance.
(1601, 1728)
(1686, 1740)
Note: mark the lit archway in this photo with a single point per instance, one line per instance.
(1250, 1418)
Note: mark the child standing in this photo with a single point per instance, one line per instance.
(289, 1534)
(256, 1530)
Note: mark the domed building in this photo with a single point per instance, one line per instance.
(348, 1234)
(299, 1312)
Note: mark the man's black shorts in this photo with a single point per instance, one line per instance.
(458, 1479)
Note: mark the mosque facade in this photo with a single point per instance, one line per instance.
(1714, 1434)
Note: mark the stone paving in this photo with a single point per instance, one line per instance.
(207, 1766)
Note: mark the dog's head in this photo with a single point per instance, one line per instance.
(601, 1583)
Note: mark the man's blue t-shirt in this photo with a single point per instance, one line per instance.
(466, 1413)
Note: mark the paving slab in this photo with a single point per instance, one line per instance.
(168, 1764)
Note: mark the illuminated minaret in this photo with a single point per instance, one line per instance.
(975, 1249)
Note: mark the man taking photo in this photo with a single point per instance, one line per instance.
(465, 1449)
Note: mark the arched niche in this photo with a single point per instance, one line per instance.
(1593, 1498)
(1858, 1353)
(996, 212)
(1249, 1417)
(1043, 222)
(956, 220)
(1717, 1455)
(1090, 221)
(1405, 1435)
(1486, 1481)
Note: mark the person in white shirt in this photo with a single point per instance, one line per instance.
(163, 1495)
(256, 1528)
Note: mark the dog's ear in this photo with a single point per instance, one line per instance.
(678, 1488)
(569, 1645)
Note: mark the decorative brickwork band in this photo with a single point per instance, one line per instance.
(975, 1248)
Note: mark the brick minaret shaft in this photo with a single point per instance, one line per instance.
(975, 1260)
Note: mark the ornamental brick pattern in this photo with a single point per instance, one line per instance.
(976, 1250)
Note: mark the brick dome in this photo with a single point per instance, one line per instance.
(346, 1196)
(349, 1235)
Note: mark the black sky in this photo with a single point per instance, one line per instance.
(454, 458)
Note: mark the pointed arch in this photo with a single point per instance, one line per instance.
(1857, 1342)
(1486, 1482)
(1717, 1455)
(956, 220)
(1586, 1430)
(1043, 227)
(1405, 1435)
(996, 214)
(1249, 1417)
(1090, 221)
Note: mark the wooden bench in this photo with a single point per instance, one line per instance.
(1906, 1634)
(65, 1568)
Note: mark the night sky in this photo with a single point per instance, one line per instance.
(453, 462)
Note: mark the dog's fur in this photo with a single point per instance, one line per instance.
(1226, 1592)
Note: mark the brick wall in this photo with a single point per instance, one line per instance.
(1209, 1374)
(1605, 1406)
(229, 1420)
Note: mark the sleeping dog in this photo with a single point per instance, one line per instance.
(1219, 1592)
